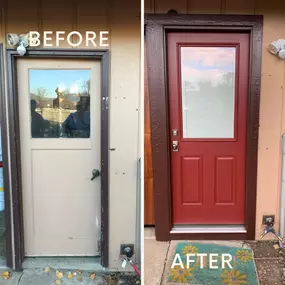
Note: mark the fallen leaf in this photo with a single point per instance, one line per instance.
(6, 275)
(276, 246)
(47, 269)
(78, 271)
(79, 278)
(58, 281)
(92, 276)
(58, 274)
(110, 280)
(70, 275)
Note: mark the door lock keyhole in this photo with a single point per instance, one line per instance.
(175, 146)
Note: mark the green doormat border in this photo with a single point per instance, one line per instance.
(243, 271)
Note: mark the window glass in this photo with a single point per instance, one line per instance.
(208, 91)
(60, 103)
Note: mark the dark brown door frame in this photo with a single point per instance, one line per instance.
(8, 226)
(15, 257)
(157, 26)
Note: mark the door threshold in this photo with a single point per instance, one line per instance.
(75, 262)
(208, 229)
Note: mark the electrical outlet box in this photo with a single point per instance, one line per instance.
(268, 219)
(127, 250)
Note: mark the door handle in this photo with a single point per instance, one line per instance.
(95, 173)
(175, 146)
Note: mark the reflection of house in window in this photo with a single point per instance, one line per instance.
(55, 103)
(58, 94)
(66, 100)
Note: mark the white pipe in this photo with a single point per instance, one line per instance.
(139, 214)
(282, 206)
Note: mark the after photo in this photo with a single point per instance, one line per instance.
(214, 143)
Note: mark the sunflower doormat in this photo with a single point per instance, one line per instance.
(212, 264)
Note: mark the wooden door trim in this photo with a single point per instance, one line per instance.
(16, 258)
(7, 197)
(156, 27)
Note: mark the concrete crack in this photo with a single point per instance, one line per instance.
(20, 277)
(165, 261)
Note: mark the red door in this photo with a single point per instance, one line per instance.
(208, 87)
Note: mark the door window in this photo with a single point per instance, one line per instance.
(208, 91)
(60, 103)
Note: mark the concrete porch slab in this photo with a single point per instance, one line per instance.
(39, 277)
(270, 271)
(270, 261)
(154, 261)
(36, 277)
(72, 263)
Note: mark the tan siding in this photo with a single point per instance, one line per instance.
(239, 7)
(205, 7)
(271, 113)
(125, 85)
(58, 16)
(20, 18)
(2, 29)
(163, 6)
(92, 16)
(149, 6)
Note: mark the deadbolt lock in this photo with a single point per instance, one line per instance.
(174, 132)
(175, 146)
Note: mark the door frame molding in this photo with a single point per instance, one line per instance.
(5, 159)
(16, 256)
(156, 28)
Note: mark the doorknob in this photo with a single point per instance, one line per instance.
(175, 146)
(95, 173)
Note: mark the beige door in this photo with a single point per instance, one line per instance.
(59, 108)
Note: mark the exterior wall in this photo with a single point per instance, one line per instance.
(124, 43)
(148, 171)
(272, 116)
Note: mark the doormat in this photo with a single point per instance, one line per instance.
(210, 264)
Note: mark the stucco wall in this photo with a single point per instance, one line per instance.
(272, 116)
(123, 25)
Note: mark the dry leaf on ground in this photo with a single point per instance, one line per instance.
(47, 269)
(92, 276)
(58, 281)
(70, 275)
(110, 281)
(59, 274)
(6, 275)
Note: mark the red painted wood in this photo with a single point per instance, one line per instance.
(208, 175)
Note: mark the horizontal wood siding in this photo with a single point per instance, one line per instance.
(148, 171)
